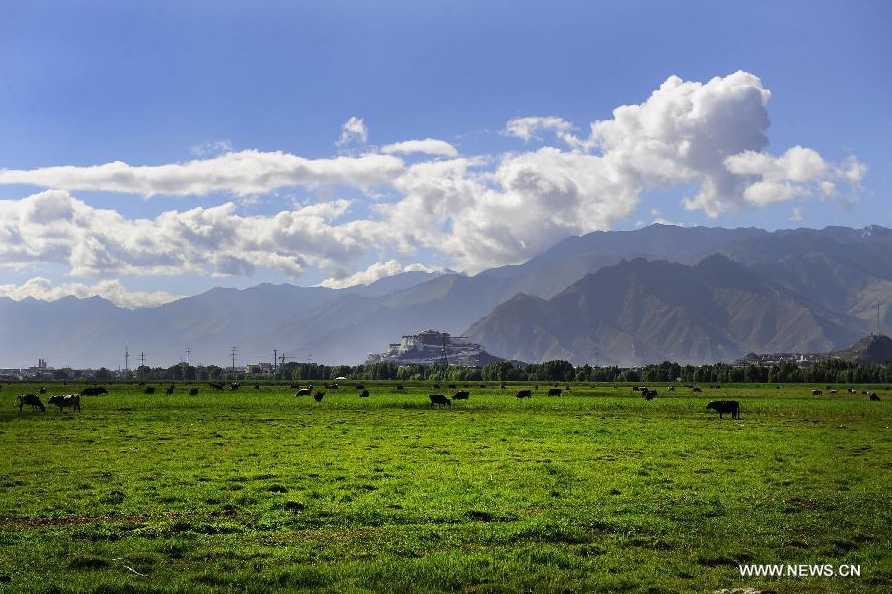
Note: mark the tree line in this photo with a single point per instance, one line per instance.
(834, 371)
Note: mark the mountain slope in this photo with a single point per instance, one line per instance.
(640, 311)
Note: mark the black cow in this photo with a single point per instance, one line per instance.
(873, 396)
(436, 386)
(94, 391)
(462, 395)
(554, 391)
(696, 389)
(331, 386)
(439, 400)
(193, 392)
(169, 389)
(42, 390)
(502, 386)
(364, 394)
(816, 392)
(399, 387)
(524, 394)
(318, 396)
(256, 386)
(149, 390)
(235, 385)
(304, 392)
(725, 406)
(649, 394)
(33, 400)
(216, 386)
(63, 400)
(671, 389)
(360, 386)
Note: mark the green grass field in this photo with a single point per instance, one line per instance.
(595, 491)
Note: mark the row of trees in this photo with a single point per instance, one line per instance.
(832, 371)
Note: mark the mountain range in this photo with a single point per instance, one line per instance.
(629, 297)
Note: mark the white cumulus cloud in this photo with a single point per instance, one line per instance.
(242, 173)
(428, 146)
(375, 271)
(354, 130)
(112, 290)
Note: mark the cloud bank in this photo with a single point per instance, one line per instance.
(473, 211)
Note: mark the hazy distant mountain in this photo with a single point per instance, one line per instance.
(825, 284)
(641, 311)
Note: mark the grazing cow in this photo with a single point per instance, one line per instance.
(462, 395)
(304, 392)
(834, 391)
(256, 386)
(331, 386)
(193, 392)
(524, 394)
(635, 389)
(63, 400)
(360, 386)
(853, 391)
(33, 400)
(725, 406)
(864, 392)
(671, 389)
(169, 389)
(41, 391)
(502, 386)
(439, 400)
(696, 389)
(94, 391)
(554, 391)
(649, 394)
(364, 394)
(873, 396)
(149, 390)
(318, 396)
(816, 392)
(399, 387)
(216, 386)
(235, 385)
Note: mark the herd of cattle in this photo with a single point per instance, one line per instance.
(73, 401)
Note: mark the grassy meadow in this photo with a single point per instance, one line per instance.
(594, 491)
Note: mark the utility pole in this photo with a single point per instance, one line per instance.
(142, 359)
(275, 352)
(234, 351)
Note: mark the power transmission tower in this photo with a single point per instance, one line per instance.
(234, 351)
(188, 356)
(142, 359)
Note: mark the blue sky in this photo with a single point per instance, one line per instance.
(253, 103)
